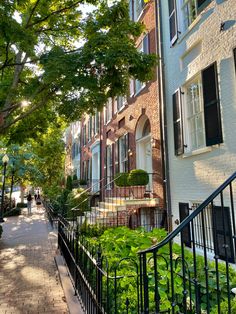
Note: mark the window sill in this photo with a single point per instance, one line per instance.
(197, 152)
(188, 30)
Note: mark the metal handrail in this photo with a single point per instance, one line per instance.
(106, 185)
(190, 218)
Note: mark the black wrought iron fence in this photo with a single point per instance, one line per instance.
(51, 213)
(193, 269)
(99, 287)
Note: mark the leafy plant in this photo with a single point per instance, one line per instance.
(121, 179)
(69, 183)
(77, 198)
(119, 248)
(83, 182)
(138, 177)
(75, 177)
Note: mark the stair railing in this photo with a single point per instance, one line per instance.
(192, 279)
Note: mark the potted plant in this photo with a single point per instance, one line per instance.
(131, 184)
(83, 183)
(122, 184)
(138, 179)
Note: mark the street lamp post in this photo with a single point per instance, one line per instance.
(12, 182)
(5, 160)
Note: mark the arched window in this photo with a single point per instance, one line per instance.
(146, 128)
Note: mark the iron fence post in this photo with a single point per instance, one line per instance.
(76, 258)
(99, 278)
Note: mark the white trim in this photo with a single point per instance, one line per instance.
(199, 151)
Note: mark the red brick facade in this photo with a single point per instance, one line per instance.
(141, 106)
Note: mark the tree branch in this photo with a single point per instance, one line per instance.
(25, 114)
(19, 63)
(18, 70)
(54, 13)
(32, 12)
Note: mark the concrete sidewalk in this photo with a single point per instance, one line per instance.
(29, 281)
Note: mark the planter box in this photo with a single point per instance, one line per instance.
(137, 192)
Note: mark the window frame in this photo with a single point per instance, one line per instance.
(108, 111)
(123, 162)
(211, 122)
(141, 48)
(109, 165)
(187, 123)
(198, 10)
(137, 14)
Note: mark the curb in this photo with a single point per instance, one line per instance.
(72, 301)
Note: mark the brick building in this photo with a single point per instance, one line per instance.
(127, 134)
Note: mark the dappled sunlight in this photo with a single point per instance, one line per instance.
(34, 275)
(28, 274)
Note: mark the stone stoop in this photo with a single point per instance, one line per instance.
(111, 206)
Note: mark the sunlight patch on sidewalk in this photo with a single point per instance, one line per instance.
(35, 275)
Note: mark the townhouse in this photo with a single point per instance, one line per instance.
(198, 40)
(126, 135)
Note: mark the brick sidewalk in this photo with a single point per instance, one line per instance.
(29, 281)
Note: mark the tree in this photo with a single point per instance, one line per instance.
(43, 67)
(40, 161)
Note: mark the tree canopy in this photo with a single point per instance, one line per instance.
(38, 162)
(54, 62)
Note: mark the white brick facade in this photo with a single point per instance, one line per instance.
(196, 176)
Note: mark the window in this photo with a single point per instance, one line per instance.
(173, 21)
(144, 48)
(84, 135)
(109, 165)
(212, 229)
(121, 102)
(96, 123)
(75, 150)
(90, 129)
(108, 111)
(131, 87)
(201, 119)
(123, 153)
(191, 9)
(138, 8)
(146, 128)
(195, 114)
(131, 9)
(116, 154)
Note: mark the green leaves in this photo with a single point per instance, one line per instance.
(51, 58)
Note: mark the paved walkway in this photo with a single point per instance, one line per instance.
(29, 281)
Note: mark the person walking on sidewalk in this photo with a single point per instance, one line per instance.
(29, 202)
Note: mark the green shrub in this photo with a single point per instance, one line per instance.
(75, 184)
(121, 179)
(0, 231)
(75, 177)
(13, 212)
(138, 177)
(69, 184)
(21, 205)
(82, 182)
(77, 198)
